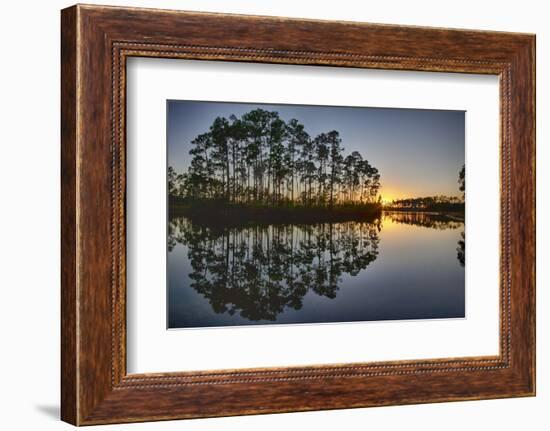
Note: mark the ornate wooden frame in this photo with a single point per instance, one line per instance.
(95, 43)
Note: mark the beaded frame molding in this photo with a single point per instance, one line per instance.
(95, 43)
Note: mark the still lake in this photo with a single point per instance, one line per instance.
(403, 266)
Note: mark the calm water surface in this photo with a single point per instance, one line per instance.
(404, 266)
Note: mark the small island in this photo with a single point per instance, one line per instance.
(257, 167)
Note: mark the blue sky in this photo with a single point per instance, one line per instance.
(418, 152)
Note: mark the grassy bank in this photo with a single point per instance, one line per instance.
(223, 213)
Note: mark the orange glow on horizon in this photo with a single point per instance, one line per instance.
(389, 196)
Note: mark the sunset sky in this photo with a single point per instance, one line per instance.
(418, 152)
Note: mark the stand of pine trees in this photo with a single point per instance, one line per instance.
(258, 159)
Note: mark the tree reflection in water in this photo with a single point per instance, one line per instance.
(433, 221)
(259, 270)
(425, 219)
(461, 249)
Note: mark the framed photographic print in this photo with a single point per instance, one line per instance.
(268, 215)
(273, 221)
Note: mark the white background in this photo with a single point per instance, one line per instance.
(29, 228)
(151, 348)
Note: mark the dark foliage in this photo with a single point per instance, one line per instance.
(259, 159)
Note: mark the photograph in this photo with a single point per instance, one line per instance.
(297, 214)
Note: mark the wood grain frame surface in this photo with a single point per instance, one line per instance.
(95, 44)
